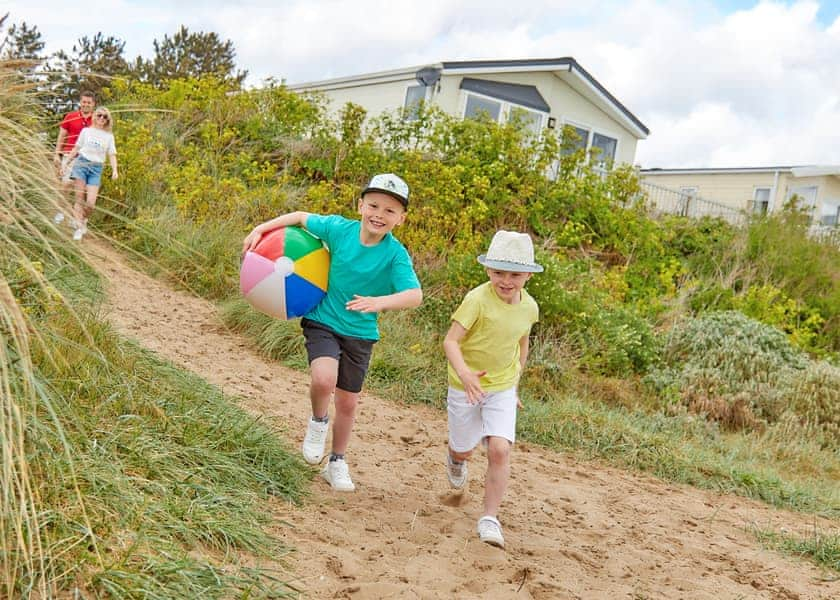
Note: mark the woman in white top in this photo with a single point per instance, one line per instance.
(94, 144)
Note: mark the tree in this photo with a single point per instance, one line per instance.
(21, 42)
(187, 55)
(23, 45)
(91, 65)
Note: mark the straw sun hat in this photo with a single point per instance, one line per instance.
(510, 251)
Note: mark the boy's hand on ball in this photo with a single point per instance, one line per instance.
(251, 240)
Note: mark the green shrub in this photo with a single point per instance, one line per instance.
(781, 252)
(729, 367)
(771, 305)
(812, 397)
(710, 297)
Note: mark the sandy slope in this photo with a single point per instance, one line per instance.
(573, 529)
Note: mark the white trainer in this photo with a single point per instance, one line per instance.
(457, 473)
(314, 442)
(338, 475)
(58, 218)
(79, 233)
(490, 531)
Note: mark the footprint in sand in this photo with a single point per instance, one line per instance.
(456, 498)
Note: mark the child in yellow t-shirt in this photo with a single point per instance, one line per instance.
(487, 346)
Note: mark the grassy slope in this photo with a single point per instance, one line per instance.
(123, 476)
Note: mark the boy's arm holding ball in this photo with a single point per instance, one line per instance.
(287, 220)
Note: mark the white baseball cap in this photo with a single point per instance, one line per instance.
(390, 184)
(511, 251)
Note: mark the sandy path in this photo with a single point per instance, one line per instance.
(573, 529)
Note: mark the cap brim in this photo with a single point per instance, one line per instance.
(503, 265)
(391, 193)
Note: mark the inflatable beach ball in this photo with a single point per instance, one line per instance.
(285, 275)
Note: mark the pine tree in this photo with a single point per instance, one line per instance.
(21, 42)
(91, 65)
(187, 55)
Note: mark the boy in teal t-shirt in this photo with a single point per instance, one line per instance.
(487, 346)
(370, 271)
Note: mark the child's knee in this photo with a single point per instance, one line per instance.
(323, 382)
(498, 450)
(323, 376)
(346, 402)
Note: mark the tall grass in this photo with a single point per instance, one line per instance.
(121, 476)
(24, 561)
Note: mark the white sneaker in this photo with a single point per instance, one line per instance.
(338, 475)
(490, 531)
(314, 441)
(58, 219)
(79, 233)
(457, 473)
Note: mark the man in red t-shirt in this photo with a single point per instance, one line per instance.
(72, 125)
(68, 132)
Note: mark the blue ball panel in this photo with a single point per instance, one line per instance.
(301, 296)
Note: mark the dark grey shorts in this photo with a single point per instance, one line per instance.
(352, 354)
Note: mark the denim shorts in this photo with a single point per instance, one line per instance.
(352, 354)
(87, 171)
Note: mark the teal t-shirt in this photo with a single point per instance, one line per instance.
(356, 269)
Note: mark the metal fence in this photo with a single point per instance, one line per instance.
(662, 200)
(825, 233)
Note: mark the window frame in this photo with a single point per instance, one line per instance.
(791, 190)
(409, 113)
(505, 107)
(755, 201)
(586, 140)
(602, 163)
(592, 132)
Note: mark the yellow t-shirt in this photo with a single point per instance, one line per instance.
(494, 329)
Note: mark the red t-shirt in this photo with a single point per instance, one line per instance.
(73, 124)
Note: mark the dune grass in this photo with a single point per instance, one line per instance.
(122, 476)
(817, 546)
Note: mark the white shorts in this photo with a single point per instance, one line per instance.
(471, 423)
(66, 167)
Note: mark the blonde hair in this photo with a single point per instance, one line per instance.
(104, 111)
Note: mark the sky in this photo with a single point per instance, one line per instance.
(719, 83)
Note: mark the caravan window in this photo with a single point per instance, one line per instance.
(414, 94)
(531, 120)
(761, 200)
(577, 142)
(607, 146)
(477, 105)
(807, 195)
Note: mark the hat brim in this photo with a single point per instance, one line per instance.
(392, 193)
(503, 265)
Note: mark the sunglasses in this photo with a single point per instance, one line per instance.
(102, 117)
